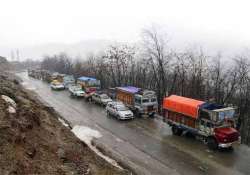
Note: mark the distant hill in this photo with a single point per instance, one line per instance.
(77, 49)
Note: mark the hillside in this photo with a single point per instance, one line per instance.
(34, 141)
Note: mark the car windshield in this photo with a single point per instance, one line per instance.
(78, 88)
(121, 108)
(226, 114)
(104, 96)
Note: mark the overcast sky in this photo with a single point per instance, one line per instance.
(220, 24)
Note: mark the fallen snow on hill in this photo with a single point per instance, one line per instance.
(86, 135)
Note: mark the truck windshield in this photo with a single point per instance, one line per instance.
(153, 100)
(145, 100)
(104, 96)
(226, 114)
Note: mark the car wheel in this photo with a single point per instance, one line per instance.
(118, 117)
(108, 114)
(212, 143)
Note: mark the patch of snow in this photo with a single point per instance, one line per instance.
(11, 110)
(86, 135)
(24, 83)
(63, 122)
(119, 140)
(28, 86)
(9, 100)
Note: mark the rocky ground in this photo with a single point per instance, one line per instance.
(33, 141)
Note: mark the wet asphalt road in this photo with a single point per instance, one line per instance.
(144, 143)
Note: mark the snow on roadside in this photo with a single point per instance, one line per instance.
(9, 100)
(12, 104)
(86, 135)
(28, 86)
(63, 122)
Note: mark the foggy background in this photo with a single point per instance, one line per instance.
(32, 29)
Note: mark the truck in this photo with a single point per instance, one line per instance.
(214, 124)
(49, 76)
(89, 85)
(56, 85)
(34, 73)
(141, 102)
(46, 75)
(68, 80)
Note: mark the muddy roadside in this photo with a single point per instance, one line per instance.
(34, 141)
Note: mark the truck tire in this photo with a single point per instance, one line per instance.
(137, 113)
(176, 131)
(152, 115)
(212, 143)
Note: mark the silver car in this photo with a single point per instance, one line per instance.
(119, 110)
(102, 99)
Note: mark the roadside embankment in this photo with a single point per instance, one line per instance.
(35, 139)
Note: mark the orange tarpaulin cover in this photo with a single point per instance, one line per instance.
(183, 105)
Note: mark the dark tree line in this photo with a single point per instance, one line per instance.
(153, 65)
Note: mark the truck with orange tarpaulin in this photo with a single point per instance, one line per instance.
(214, 124)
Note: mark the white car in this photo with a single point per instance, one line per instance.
(76, 91)
(119, 110)
(102, 99)
(56, 85)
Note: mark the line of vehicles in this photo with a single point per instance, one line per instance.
(214, 124)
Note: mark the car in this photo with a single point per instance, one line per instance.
(76, 91)
(56, 85)
(119, 110)
(101, 98)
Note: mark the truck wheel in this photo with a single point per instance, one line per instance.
(152, 115)
(176, 131)
(137, 113)
(212, 143)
